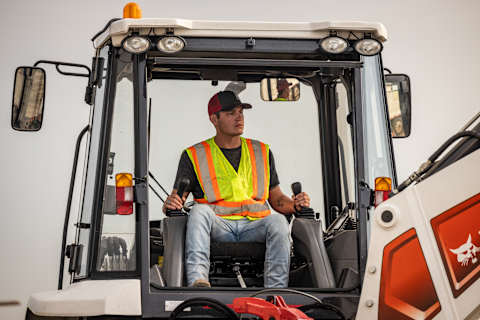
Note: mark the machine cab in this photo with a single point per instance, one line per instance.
(329, 128)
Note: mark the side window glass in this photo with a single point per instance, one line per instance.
(116, 251)
(345, 145)
(83, 234)
(376, 135)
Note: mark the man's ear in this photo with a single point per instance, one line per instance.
(214, 119)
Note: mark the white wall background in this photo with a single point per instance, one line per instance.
(435, 42)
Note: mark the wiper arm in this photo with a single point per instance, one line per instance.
(158, 183)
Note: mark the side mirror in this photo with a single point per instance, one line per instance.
(399, 99)
(280, 89)
(28, 99)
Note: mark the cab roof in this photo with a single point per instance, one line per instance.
(120, 29)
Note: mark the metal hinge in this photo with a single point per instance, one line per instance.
(367, 195)
(83, 225)
(141, 190)
(74, 253)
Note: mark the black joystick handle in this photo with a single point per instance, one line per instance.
(296, 188)
(182, 186)
(304, 212)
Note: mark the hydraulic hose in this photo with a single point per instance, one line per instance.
(452, 139)
(431, 160)
(319, 304)
(308, 308)
(227, 313)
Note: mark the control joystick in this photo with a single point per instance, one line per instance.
(182, 186)
(304, 212)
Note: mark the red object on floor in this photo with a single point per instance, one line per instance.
(266, 310)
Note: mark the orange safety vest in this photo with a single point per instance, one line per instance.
(229, 192)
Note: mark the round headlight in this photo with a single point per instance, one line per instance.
(136, 44)
(171, 44)
(368, 47)
(334, 45)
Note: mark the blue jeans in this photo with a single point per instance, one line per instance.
(203, 224)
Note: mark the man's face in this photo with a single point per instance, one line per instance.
(284, 93)
(230, 122)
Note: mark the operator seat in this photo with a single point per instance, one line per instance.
(307, 235)
(174, 229)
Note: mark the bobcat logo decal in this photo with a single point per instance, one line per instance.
(467, 252)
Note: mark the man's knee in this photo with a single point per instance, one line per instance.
(201, 212)
(277, 223)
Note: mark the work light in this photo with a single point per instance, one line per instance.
(136, 44)
(334, 45)
(171, 44)
(368, 47)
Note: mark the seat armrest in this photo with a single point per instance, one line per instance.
(307, 237)
(174, 229)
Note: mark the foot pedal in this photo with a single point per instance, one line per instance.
(236, 270)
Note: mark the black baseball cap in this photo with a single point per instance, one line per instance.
(225, 101)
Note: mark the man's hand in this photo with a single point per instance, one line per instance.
(173, 201)
(283, 204)
(301, 200)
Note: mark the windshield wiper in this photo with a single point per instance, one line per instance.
(158, 183)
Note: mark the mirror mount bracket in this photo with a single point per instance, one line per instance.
(58, 64)
(94, 79)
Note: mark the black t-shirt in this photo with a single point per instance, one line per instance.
(185, 169)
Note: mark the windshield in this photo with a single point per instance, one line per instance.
(179, 119)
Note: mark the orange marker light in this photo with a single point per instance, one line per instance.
(124, 193)
(132, 10)
(383, 186)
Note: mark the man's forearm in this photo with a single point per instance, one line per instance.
(282, 204)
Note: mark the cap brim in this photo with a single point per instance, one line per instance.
(243, 105)
(246, 106)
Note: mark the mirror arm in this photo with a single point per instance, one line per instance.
(57, 65)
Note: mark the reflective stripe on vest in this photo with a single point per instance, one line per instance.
(227, 191)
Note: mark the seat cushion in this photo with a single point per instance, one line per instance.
(251, 250)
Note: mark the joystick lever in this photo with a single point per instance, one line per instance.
(182, 186)
(304, 212)
(296, 188)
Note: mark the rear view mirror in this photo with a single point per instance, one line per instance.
(28, 99)
(397, 87)
(280, 89)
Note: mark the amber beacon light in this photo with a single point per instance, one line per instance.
(132, 10)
